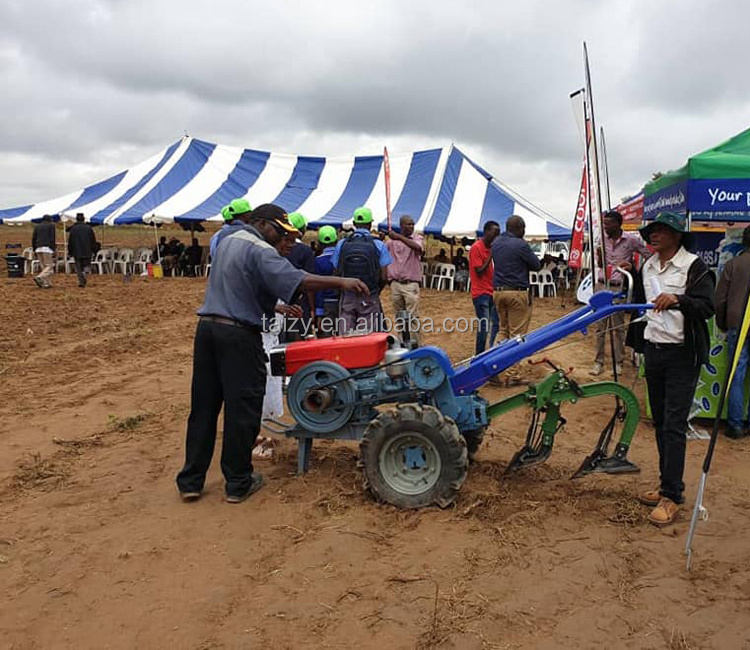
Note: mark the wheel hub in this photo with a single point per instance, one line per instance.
(410, 463)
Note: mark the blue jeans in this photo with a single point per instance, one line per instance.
(485, 310)
(736, 416)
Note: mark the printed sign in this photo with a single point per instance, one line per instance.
(669, 199)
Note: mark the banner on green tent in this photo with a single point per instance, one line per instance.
(672, 198)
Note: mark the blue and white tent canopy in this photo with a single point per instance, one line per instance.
(444, 191)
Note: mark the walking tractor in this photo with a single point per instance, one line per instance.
(416, 452)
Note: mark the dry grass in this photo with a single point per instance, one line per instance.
(35, 472)
(454, 613)
(680, 641)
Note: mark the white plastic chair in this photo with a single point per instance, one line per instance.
(31, 265)
(123, 259)
(444, 274)
(544, 281)
(70, 263)
(142, 260)
(425, 273)
(534, 282)
(103, 260)
(59, 258)
(208, 266)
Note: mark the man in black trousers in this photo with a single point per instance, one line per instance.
(81, 245)
(681, 288)
(229, 364)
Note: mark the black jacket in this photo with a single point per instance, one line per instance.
(696, 304)
(43, 235)
(81, 241)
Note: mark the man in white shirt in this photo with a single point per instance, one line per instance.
(681, 288)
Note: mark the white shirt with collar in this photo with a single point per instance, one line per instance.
(667, 326)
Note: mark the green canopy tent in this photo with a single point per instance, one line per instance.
(714, 185)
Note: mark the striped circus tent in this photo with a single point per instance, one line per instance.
(444, 191)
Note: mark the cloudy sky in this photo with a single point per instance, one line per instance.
(91, 87)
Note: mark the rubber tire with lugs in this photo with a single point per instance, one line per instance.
(438, 433)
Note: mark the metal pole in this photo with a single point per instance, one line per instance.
(590, 104)
(606, 169)
(156, 239)
(65, 248)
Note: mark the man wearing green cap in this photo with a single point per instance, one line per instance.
(326, 300)
(676, 344)
(247, 279)
(301, 257)
(234, 214)
(362, 256)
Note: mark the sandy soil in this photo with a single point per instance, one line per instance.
(97, 551)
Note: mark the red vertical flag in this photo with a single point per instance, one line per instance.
(387, 174)
(579, 224)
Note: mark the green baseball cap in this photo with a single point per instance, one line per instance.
(363, 216)
(228, 216)
(298, 221)
(238, 207)
(327, 235)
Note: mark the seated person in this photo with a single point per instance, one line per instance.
(441, 258)
(190, 258)
(172, 251)
(461, 262)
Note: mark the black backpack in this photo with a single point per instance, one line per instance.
(359, 258)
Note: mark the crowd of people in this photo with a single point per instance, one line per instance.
(263, 273)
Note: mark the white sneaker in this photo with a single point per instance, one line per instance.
(596, 369)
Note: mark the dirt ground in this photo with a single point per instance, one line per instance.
(97, 551)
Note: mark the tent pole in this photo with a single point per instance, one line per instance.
(156, 239)
(65, 248)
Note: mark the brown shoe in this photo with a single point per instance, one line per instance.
(665, 513)
(650, 498)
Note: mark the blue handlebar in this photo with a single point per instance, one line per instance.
(481, 368)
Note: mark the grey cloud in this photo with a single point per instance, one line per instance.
(103, 84)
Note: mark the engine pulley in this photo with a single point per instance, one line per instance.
(322, 396)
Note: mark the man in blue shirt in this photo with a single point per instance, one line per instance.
(327, 300)
(362, 256)
(231, 213)
(513, 259)
(247, 278)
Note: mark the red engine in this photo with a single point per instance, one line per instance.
(348, 351)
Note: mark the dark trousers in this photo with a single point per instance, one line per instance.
(83, 269)
(229, 367)
(671, 377)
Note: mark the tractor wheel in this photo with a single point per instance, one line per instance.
(413, 456)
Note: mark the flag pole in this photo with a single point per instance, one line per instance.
(595, 162)
(387, 178)
(606, 168)
(592, 252)
(699, 511)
